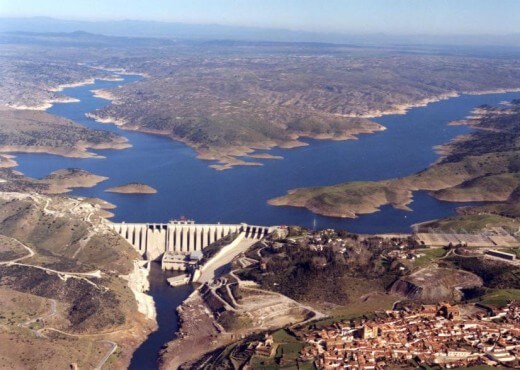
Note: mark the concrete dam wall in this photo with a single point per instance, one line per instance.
(182, 237)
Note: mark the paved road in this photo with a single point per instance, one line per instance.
(213, 265)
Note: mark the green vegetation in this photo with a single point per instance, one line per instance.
(469, 222)
(66, 243)
(302, 273)
(485, 188)
(499, 297)
(347, 200)
(252, 96)
(288, 348)
(481, 367)
(286, 351)
(495, 274)
(429, 255)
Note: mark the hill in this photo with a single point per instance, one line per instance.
(480, 167)
(27, 131)
(63, 269)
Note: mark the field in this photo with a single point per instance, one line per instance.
(428, 256)
(228, 100)
(470, 222)
(287, 351)
(500, 297)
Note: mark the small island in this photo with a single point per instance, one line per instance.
(132, 188)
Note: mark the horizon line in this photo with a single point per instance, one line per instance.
(255, 27)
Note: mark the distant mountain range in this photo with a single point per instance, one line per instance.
(147, 29)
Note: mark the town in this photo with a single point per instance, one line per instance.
(433, 334)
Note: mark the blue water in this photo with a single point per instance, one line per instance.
(166, 300)
(188, 187)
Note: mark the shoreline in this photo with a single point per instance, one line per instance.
(229, 157)
(81, 150)
(398, 192)
(63, 99)
(47, 104)
(401, 109)
(59, 88)
(7, 161)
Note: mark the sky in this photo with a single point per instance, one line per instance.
(467, 17)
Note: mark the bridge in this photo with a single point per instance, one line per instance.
(152, 240)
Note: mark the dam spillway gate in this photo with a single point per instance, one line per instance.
(152, 240)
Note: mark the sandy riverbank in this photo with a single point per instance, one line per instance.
(88, 81)
(45, 105)
(103, 94)
(7, 161)
(119, 70)
(139, 284)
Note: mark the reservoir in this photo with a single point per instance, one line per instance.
(188, 187)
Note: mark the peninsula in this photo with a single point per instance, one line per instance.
(482, 166)
(28, 131)
(232, 101)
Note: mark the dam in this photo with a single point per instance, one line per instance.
(152, 240)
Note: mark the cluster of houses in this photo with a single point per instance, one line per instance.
(434, 334)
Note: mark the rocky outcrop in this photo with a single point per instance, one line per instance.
(435, 284)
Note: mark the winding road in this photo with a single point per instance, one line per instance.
(64, 275)
(53, 304)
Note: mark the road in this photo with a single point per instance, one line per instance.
(31, 252)
(50, 314)
(53, 305)
(208, 273)
(64, 275)
(113, 347)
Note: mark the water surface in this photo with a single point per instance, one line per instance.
(188, 187)
(166, 300)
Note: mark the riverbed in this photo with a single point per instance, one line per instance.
(166, 300)
(188, 187)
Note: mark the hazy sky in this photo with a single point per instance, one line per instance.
(360, 16)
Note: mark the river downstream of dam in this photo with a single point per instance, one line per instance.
(188, 187)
